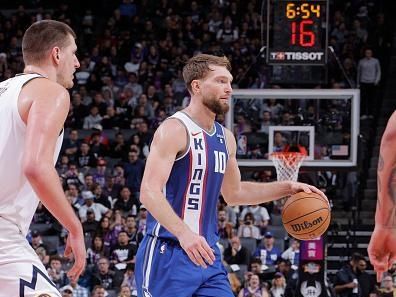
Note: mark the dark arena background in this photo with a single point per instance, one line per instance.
(298, 82)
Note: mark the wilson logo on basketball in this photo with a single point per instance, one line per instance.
(306, 225)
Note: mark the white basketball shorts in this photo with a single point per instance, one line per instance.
(21, 272)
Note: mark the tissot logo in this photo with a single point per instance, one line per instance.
(306, 225)
(297, 56)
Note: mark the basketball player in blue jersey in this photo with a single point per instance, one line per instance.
(192, 159)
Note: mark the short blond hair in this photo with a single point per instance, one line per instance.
(199, 66)
(41, 37)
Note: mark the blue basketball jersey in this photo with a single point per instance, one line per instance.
(193, 187)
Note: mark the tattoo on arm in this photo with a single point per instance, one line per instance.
(391, 219)
(392, 185)
(380, 167)
(380, 163)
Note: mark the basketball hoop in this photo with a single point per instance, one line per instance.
(287, 164)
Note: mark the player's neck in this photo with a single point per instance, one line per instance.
(42, 70)
(201, 115)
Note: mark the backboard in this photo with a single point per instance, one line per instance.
(325, 122)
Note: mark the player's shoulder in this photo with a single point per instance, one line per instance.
(174, 125)
(228, 133)
(230, 140)
(43, 88)
(171, 132)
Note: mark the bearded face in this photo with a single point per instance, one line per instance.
(215, 105)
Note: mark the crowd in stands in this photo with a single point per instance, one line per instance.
(131, 55)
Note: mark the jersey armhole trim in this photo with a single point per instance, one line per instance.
(225, 140)
(187, 148)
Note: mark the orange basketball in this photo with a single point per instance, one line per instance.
(306, 215)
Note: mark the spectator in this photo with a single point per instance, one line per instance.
(292, 253)
(56, 273)
(123, 253)
(366, 282)
(90, 225)
(37, 241)
(266, 122)
(88, 182)
(368, 78)
(261, 216)
(111, 189)
(100, 172)
(85, 158)
(131, 229)
(78, 291)
(67, 291)
(95, 142)
(247, 229)
(387, 287)
(126, 203)
(267, 252)
(253, 288)
(125, 292)
(99, 291)
(43, 256)
(93, 118)
(104, 276)
(118, 148)
(96, 251)
(129, 278)
(73, 177)
(256, 267)
(100, 197)
(346, 280)
(134, 172)
(111, 120)
(236, 253)
(278, 285)
(109, 235)
(133, 84)
(98, 209)
(71, 144)
(224, 227)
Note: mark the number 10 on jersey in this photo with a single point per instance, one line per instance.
(220, 161)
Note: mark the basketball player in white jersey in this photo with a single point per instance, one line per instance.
(33, 108)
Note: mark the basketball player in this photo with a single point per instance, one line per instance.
(382, 247)
(192, 159)
(33, 108)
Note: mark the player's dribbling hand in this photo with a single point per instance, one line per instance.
(382, 249)
(302, 187)
(75, 248)
(197, 248)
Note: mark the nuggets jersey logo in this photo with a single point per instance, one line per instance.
(193, 187)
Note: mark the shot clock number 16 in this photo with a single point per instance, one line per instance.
(297, 32)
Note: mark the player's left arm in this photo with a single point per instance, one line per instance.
(236, 192)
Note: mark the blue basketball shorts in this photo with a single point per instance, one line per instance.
(163, 269)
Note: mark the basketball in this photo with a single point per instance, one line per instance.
(306, 215)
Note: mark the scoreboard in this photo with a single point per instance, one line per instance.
(297, 32)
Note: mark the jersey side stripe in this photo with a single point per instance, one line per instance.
(188, 184)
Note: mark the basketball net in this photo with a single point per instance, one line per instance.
(287, 164)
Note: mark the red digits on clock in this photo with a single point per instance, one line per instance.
(306, 36)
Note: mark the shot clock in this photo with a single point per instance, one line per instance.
(297, 32)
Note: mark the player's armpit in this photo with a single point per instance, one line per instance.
(231, 186)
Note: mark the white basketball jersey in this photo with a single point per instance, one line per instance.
(18, 201)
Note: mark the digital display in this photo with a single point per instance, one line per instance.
(297, 32)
